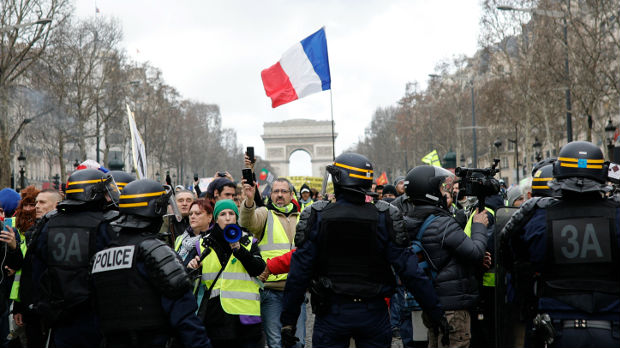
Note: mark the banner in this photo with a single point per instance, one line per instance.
(432, 158)
(382, 179)
(137, 147)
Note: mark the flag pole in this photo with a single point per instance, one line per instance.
(331, 102)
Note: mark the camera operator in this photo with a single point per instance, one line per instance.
(453, 257)
(479, 183)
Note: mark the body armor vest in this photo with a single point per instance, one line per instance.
(349, 253)
(71, 241)
(126, 301)
(582, 253)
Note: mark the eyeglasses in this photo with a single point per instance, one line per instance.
(281, 191)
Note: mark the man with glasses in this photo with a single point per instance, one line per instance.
(274, 226)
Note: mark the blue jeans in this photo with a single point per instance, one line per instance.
(270, 309)
(400, 317)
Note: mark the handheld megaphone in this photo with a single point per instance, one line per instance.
(232, 233)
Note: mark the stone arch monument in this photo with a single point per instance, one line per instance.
(283, 138)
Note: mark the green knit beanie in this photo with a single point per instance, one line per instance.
(225, 204)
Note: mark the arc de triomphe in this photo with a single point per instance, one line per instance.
(283, 138)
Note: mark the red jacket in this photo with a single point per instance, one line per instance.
(280, 264)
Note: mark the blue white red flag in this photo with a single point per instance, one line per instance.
(302, 70)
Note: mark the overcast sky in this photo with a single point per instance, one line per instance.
(214, 51)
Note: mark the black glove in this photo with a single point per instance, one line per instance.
(445, 329)
(288, 336)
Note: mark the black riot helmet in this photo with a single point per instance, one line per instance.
(542, 173)
(422, 184)
(91, 185)
(122, 178)
(352, 171)
(581, 159)
(145, 198)
(580, 168)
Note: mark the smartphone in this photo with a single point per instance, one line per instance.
(221, 174)
(250, 151)
(248, 176)
(613, 174)
(9, 222)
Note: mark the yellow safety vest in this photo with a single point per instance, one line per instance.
(177, 243)
(304, 205)
(488, 278)
(238, 292)
(18, 275)
(275, 242)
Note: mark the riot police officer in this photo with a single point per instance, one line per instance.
(142, 291)
(345, 254)
(61, 256)
(565, 254)
(542, 173)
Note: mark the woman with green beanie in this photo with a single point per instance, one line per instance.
(231, 307)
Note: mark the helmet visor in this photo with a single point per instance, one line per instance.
(112, 190)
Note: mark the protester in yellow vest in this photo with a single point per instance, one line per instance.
(274, 226)
(231, 309)
(306, 199)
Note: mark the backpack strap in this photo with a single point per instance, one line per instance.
(425, 225)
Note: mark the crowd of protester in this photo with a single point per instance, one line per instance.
(239, 284)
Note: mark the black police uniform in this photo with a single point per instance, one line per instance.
(61, 256)
(565, 255)
(142, 291)
(347, 254)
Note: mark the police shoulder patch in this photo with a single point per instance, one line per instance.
(113, 259)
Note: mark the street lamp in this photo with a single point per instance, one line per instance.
(537, 149)
(57, 181)
(498, 143)
(22, 164)
(610, 131)
(516, 142)
(555, 14)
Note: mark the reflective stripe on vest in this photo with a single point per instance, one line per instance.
(18, 275)
(239, 293)
(275, 242)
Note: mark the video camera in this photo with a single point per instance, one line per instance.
(479, 182)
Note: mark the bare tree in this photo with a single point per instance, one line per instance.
(24, 33)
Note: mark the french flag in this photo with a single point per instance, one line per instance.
(302, 70)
